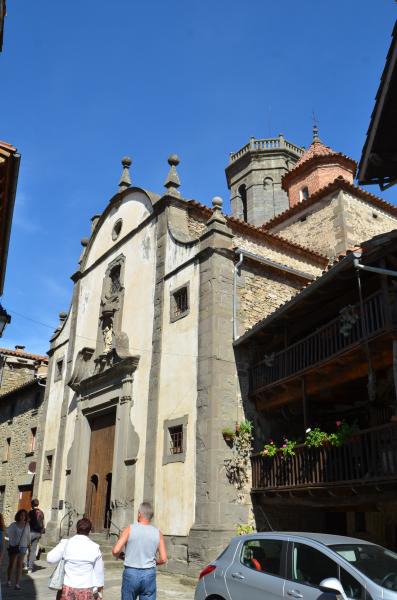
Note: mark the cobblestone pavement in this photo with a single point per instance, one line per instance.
(34, 586)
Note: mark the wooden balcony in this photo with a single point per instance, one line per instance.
(327, 342)
(369, 458)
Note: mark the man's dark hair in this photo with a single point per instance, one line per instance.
(84, 526)
(35, 503)
(20, 513)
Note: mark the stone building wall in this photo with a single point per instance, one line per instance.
(316, 228)
(14, 374)
(265, 249)
(363, 220)
(20, 411)
(260, 293)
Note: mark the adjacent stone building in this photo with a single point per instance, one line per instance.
(22, 419)
(142, 372)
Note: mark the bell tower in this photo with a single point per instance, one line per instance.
(254, 177)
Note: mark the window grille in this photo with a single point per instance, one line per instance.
(176, 439)
(115, 283)
(181, 302)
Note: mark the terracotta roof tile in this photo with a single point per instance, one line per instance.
(337, 184)
(264, 235)
(317, 150)
(22, 354)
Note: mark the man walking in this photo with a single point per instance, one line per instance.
(142, 542)
(36, 522)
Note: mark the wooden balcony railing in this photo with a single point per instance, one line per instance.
(369, 456)
(324, 343)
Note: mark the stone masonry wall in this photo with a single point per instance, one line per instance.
(19, 413)
(363, 220)
(277, 254)
(260, 293)
(316, 228)
(316, 179)
(14, 374)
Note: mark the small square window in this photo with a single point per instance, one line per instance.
(58, 370)
(175, 440)
(48, 464)
(179, 302)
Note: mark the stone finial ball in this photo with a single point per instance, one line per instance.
(126, 161)
(84, 242)
(217, 202)
(173, 160)
(62, 316)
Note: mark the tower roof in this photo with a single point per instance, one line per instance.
(315, 155)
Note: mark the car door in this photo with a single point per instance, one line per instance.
(308, 566)
(258, 570)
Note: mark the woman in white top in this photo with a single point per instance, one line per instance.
(18, 543)
(83, 564)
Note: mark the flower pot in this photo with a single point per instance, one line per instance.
(228, 437)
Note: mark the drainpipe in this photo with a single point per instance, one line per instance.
(236, 271)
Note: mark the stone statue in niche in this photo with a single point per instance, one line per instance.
(107, 329)
(107, 338)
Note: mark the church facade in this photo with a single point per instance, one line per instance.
(142, 372)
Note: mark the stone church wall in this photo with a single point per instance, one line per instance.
(175, 504)
(55, 390)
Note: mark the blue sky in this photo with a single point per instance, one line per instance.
(85, 82)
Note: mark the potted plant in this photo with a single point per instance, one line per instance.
(342, 434)
(316, 438)
(288, 448)
(269, 449)
(244, 427)
(228, 434)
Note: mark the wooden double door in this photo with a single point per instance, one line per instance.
(99, 484)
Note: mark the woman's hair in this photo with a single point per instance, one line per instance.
(2, 523)
(21, 513)
(84, 526)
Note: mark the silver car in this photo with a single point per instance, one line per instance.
(308, 566)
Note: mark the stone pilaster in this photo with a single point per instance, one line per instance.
(217, 508)
(154, 379)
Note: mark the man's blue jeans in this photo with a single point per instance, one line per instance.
(138, 583)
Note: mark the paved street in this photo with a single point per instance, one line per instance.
(35, 586)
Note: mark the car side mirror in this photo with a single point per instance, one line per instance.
(331, 584)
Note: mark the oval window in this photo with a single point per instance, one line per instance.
(117, 229)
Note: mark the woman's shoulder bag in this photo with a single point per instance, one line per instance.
(58, 575)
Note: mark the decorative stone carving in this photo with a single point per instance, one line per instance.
(83, 367)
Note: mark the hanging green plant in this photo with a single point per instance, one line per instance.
(228, 434)
(245, 427)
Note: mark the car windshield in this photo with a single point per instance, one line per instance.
(375, 562)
